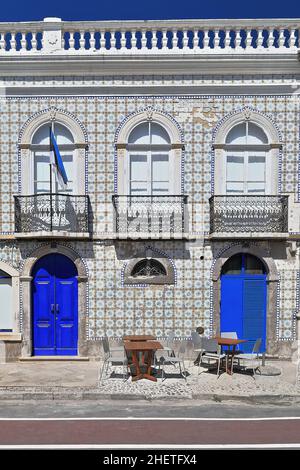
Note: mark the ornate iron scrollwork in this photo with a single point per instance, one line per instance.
(230, 214)
(55, 212)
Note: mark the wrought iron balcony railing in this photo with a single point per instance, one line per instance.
(52, 213)
(248, 214)
(150, 216)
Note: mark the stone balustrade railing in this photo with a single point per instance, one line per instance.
(53, 36)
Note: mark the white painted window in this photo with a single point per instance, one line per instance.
(150, 167)
(40, 148)
(246, 162)
(6, 302)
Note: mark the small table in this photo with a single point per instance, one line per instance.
(232, 344)
(139, 338)
(146, 348)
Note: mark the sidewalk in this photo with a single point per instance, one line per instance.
(78, 380)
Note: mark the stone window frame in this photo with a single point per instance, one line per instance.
(273, 149)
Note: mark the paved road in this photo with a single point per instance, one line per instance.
(149, 432)
(113, 423)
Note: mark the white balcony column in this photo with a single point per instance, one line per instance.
(270, 38)
(34, 42)
(238, 39)
(113, 40)
(164, 40)
(260, 39)
(82, 41)
(195, 40)
(281, 39)
(143, 40)
(133, 39)
(2, 42)
(206, 39)
(185, 40)
(227, 39)
(52, 35)
(123, 39)
(92, 40)
(248, 39)
(13, 42)
(102, 41)
(23, 42)
(174, 40)
(72, 41)
(217, 39)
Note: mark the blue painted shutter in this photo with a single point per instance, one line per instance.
(254, 317)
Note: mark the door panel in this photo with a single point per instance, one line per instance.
(232, 304)
(66, 327)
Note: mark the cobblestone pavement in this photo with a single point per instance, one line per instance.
(80, 380)
(204, 383)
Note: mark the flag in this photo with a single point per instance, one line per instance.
(57, 163)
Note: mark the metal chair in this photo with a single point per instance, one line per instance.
(163, 358)
(112, 358)
(170, 343)
(197, 345)
(212, 350)
(252, 359)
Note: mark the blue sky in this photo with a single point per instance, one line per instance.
(26, 10)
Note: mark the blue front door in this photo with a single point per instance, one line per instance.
(55, 306)
(244, 300)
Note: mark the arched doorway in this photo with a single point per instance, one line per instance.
(244, 299)
(55, 306)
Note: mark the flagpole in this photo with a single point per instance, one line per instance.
(50, 169)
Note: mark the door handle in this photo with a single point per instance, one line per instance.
(57, 307)
(52, 308)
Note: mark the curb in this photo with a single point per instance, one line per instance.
(95, 395)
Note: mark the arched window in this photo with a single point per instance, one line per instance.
(40, 148)
(246, 155)
(243, 263)
(246, 148)
(148, 268)
(149, 155)
(149, 160)
(6, 301)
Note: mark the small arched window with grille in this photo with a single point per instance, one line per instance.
(149, 271)
(148, 268)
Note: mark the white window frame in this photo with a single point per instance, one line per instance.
(13, 274)
(246, 154)
(271, 149)
(149, 179)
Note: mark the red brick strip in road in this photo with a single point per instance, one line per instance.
(149, 432)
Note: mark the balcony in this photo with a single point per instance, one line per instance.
(56, 215)
(158, 217)
(149, 37)
(248, 215)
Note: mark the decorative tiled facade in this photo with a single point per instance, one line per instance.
(112, 307)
